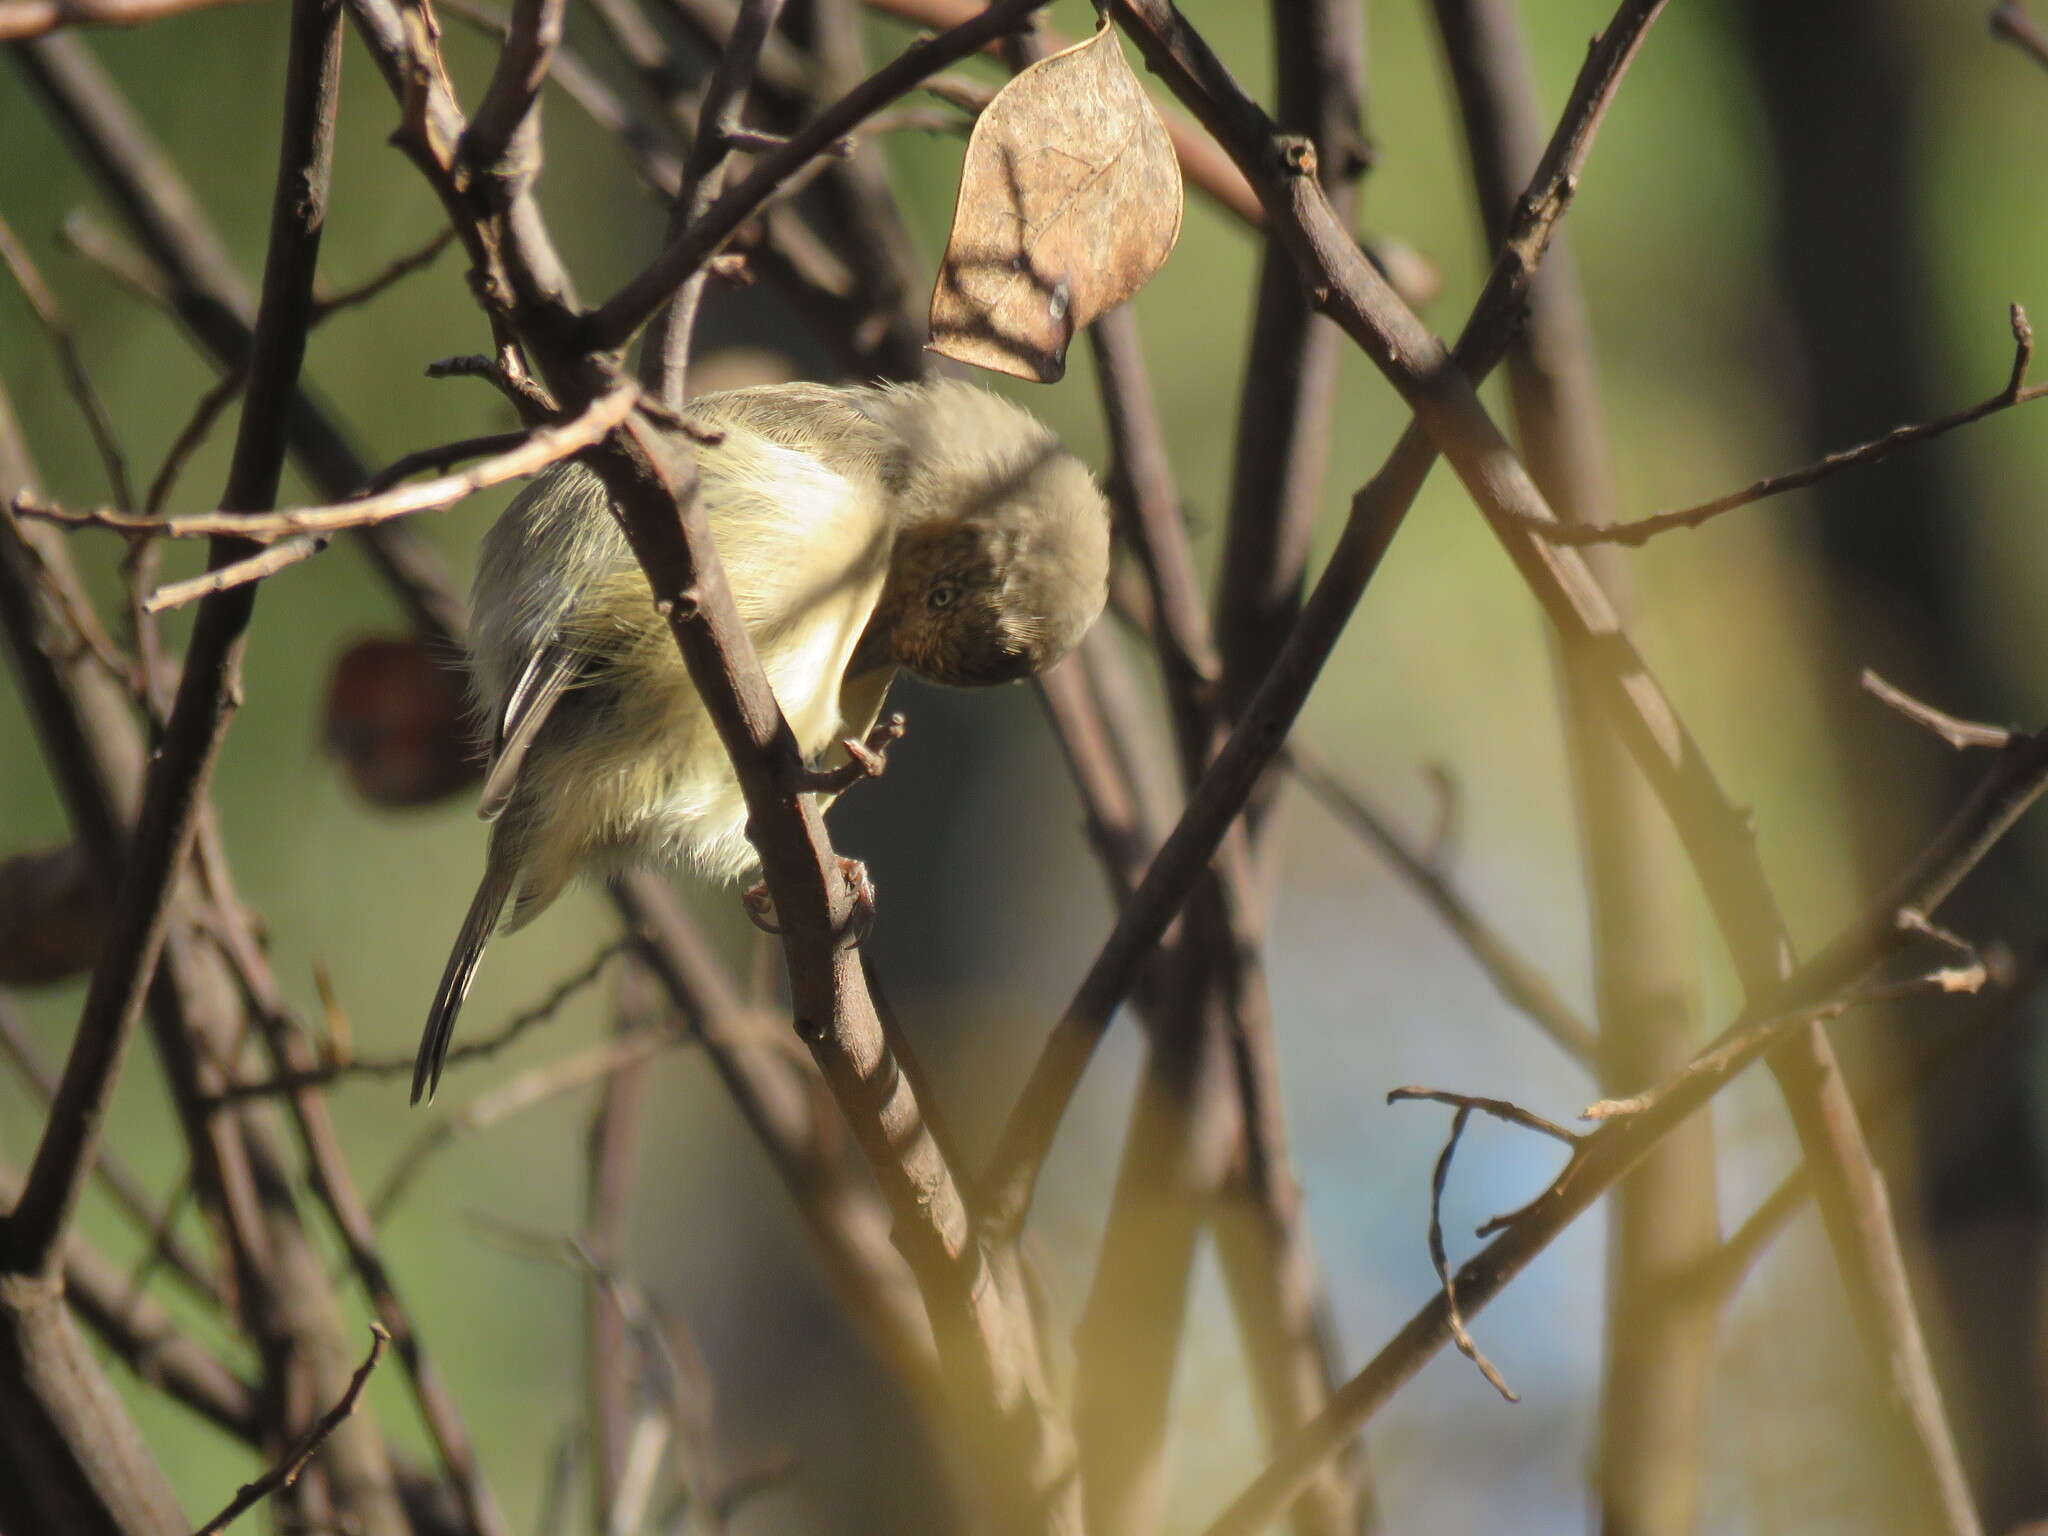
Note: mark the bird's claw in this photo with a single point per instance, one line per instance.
(860, 915)
(760, 907)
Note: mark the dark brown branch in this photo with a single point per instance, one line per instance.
(286, 1472)
(1633, 535)
(503, 141)
(569, 74)
(177, 781)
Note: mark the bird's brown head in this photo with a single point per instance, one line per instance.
(1001, 559)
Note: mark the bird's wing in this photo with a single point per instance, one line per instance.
(553, 668)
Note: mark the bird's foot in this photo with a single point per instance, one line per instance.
(860, 916)
(760, 907)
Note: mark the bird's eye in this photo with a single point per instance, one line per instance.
(943, 595)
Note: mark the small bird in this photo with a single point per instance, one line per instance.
(935, 527)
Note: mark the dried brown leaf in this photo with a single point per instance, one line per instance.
(1070, 199)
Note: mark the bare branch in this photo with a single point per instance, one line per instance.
(21, 19)
(236, 573)
(536, 451)
(1633, 535)
(1500, 1109)
(327, 305)
(1460, 1335)
(286, 1472)
(341, 1070)
(1960, 734)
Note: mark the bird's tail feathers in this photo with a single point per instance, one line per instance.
(477, 928)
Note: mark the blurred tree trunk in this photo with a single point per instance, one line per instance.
(1837, 86)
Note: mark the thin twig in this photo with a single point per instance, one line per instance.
(664, 362)
(286, 1472)
(205, 412)
(42, 303)
(517, 1093)
(1744, 1044)
(1958, 733)
(326, 306)
(236, 573)
(502, 141)
(536, 451)
(1500, 1109)
(1460, 1335)
(334, 1071)
(1633, 535)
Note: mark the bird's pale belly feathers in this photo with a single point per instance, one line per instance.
(630, 766)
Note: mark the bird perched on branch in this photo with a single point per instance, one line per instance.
(934, 527)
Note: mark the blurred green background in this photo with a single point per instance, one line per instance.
(1712, 280)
